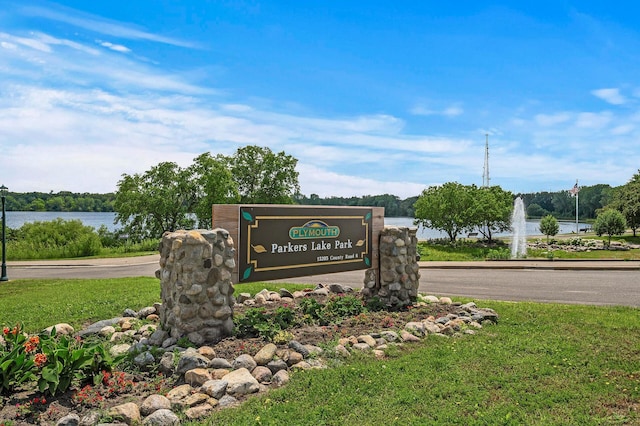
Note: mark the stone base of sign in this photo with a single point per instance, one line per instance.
(399, 272)
(195, 284)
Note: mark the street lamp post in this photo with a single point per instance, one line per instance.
(3, 195)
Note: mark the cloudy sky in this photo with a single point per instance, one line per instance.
(371, 97)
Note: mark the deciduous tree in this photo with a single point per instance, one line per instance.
(213, 184)
(610, 222)
(549, 226)
(626, 199)
(448, 208)
(156, 201)
(492, 209)
(264, 177)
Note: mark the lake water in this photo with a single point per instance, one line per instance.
(532, 226)
(17, 219)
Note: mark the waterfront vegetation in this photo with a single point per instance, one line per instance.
(64, 239)
(541, 364)
(474, 250)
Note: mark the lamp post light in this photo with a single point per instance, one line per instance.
(3, 195)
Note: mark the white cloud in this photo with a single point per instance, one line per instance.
(552, 119)
(100, 25)
(116, 47)
(325, 183)
(452, 111)
(590, 120)
(611, 96)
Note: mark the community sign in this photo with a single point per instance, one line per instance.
(282, 241)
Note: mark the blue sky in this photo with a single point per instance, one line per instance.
(371, 97)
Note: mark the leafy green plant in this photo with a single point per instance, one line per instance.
(255, 323)
(69, 360)
(17, 359)
(340, 307)
(375, 305)
(311, 310)
(284, 317)
(499, 254)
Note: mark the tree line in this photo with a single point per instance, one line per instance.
(539, 204)
(63, 201)
(167, 196)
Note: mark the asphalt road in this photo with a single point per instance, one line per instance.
(598, 283)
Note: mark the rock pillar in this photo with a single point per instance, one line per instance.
(195, 284)
(396, 284)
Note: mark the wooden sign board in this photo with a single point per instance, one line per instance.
(284, 241)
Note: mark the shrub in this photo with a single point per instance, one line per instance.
(54, 239)
(499, 254)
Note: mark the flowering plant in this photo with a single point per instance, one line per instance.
(69, 359)
(17, 358)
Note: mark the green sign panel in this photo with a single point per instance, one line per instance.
(282, 242)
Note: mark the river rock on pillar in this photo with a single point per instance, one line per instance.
(396, 283)
(195, 284)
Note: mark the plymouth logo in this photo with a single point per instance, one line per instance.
(314, 229)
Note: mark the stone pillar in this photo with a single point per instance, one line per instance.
(195, 284)
(399, 273)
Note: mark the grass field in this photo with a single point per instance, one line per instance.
(542, 364)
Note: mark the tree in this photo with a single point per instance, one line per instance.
(535, 210)
(156, 201)
(264, 177)
(168, 197)
(549, 226)
(448, 208)
(213, 184)
(492, 209)
(610, 222)
(563, 204)
(626, 199)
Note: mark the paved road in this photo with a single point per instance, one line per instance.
(142, 266)
(584, 282)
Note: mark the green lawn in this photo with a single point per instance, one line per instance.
(543, 364)
(41, 303)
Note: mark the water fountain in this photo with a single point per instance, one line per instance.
(518, 226)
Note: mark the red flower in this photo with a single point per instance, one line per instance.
(40, 360)
(32, 344)
(5, 330)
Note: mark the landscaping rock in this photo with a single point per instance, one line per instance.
(154, 403)
(96, 327)
(162, 417)
(241, 382)
(128, 413)
(262, 374)
(215, 388)
(266, 354)
(277, 365)
(197, 377)
(281, 378)
(244, 361)
(199, 411)
(118, 350)
(69, 420)
(191, 359)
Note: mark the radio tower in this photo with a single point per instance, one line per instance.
(485, 170)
